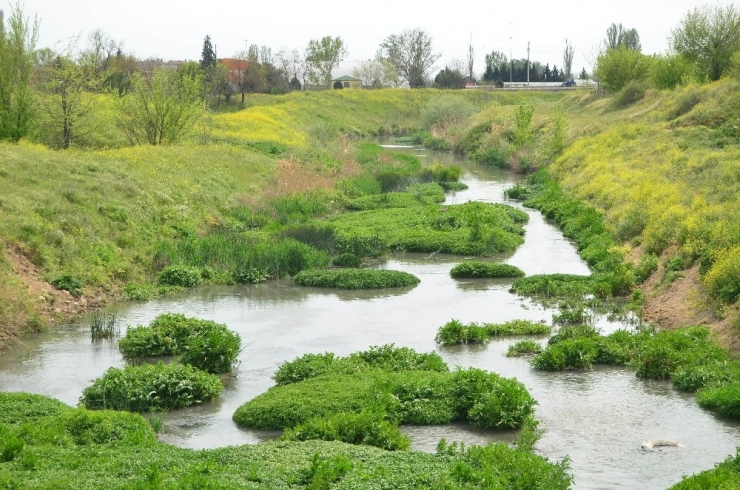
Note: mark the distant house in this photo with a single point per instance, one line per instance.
(235, 68)
(348, 82)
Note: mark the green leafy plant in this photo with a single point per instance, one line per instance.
(68, 283)
(355, 279)
(477, 269)
(454, 332)
(524, 347)
(180, 275)
(151, 386)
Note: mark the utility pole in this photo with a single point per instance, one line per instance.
(511, 58)
(527, 63)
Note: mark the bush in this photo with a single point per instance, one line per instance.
(454, 332)
(151, 387)
(618, 67)
(347, 260)
(723, 278)
(648, 265)
(205, 344)
(437, 172)
(524, 347)
(180, 275)
(365, 428)
(494, 156)
(68, 283)
(476, 269)
(632, 92)
(355, 279)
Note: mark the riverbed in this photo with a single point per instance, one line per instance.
(598, 418)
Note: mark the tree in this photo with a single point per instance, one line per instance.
(615, 68)
(371, 72)
(17, 49)
(618, 35)
(69, 101)
(208, 55)
(583, 75)
(100, 51)
(568, 59)
(708, 36)
(669, 71)
(448, 78)
(162, 106)
(248, 73)
(412, 55)
(322, 56)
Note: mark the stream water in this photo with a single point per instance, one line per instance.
(599, 418)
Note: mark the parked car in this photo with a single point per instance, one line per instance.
(568, 83)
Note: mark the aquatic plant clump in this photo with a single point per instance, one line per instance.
(456, 332)
(517, 327)
(355, 279)
(205, 344)
(387, 357)
(477, 269)
(473, 228)
(524, 347)
(151, 387)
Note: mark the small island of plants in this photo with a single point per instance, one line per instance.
(355, 278)
(471, 269)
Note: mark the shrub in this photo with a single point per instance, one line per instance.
(355, 279)
(618, 67)
(476, 269)
(180, 275)
(454, 332)
(365, 428)
(437, 172)
(523, 134)
(633, 92)
(494, 156)
(648, 265)
(524, 347)
(68, 283)
(723, 278)
(347, 260)
(151, 387)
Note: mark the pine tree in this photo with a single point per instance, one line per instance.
(208, 57)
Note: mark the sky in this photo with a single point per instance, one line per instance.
(175, 29)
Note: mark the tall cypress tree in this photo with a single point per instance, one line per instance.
(208, 56)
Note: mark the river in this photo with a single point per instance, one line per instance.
(597, 418)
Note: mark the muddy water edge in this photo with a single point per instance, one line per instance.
(597, 418)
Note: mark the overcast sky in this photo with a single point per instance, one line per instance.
(174, 29)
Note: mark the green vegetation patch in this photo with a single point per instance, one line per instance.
(151, 387)
(455, 332)
(205, 344)
(387, 357)
(78, 448)
(724, 475)
(652, 355)
(524, 347)
(476, 269)
(473, 228)
(414, 195)
(365, 428)
(355, 279)
(400, 385)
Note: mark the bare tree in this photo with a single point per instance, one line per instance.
(617, 35)
(412, 55)
(100, 51)
(568, 59)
